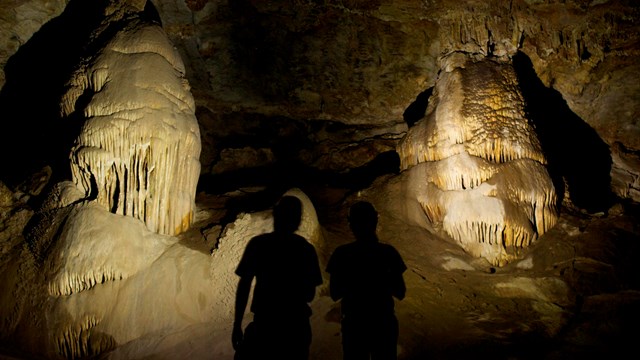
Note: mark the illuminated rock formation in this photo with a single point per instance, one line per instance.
(104, 266)
(236, 236)
(138, 150)
(108, 277)
(309, 225)
(475, 163)
(108, 283)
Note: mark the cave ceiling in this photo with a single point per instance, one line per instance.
(314, 78)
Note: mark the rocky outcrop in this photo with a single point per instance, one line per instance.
(134, 172)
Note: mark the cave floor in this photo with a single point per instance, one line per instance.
(575, 292)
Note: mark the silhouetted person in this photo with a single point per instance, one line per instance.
(287, 272)
(367, 275)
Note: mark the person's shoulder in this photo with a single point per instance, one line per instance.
(388, 249)
(294, 238)
(391, 253)
(345, 250)
(304, 242)
(338, 259)
(299, 237)
(346, 247)
(387, 246)
(259, 240)
(262, 237)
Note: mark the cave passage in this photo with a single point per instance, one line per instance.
(573, 149)
(36, 135)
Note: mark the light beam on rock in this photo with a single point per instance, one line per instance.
(486, 182)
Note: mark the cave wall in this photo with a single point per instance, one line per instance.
(341, 74)
(328, 84)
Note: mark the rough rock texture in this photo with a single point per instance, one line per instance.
(574, 293)
(251, 63)
(19, 20)
(105, 234)
(366, 62)
(476, 165)
(317, 95)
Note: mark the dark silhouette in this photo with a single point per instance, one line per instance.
(287, 272)
(367, 275)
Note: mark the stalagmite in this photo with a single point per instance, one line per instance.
(138, 150)
(105, 241)
(309, 225)
(475, 163)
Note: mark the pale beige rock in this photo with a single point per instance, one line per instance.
(354, 63)
(481, 164)
(584, 50)
(103, 297)
(310, 227)
(138, 151)
(95, 246)
(91, 294)
(109, 276)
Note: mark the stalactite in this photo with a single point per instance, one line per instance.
(72, 283)
(76, 341)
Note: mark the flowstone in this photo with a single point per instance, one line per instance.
(138, 151)
(105, 266)
(475, 164)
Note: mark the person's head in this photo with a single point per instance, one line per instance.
(287, 214)
(363, 220)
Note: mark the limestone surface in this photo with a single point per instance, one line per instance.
(475, 164)
(112, 271)
(138, 151)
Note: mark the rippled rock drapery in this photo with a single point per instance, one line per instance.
(475, 163)
(138, 150)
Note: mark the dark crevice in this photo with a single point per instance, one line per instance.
(286, 174)
(573, 149)
(35, 79)
(418, 108)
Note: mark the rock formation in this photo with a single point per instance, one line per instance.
(476, 165)
(138, 150)
(109, 261)
(109, 231)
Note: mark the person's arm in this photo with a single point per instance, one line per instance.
(336, 282)
(242, 298)
(315, 277)
(398, 287)
(336, 287)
